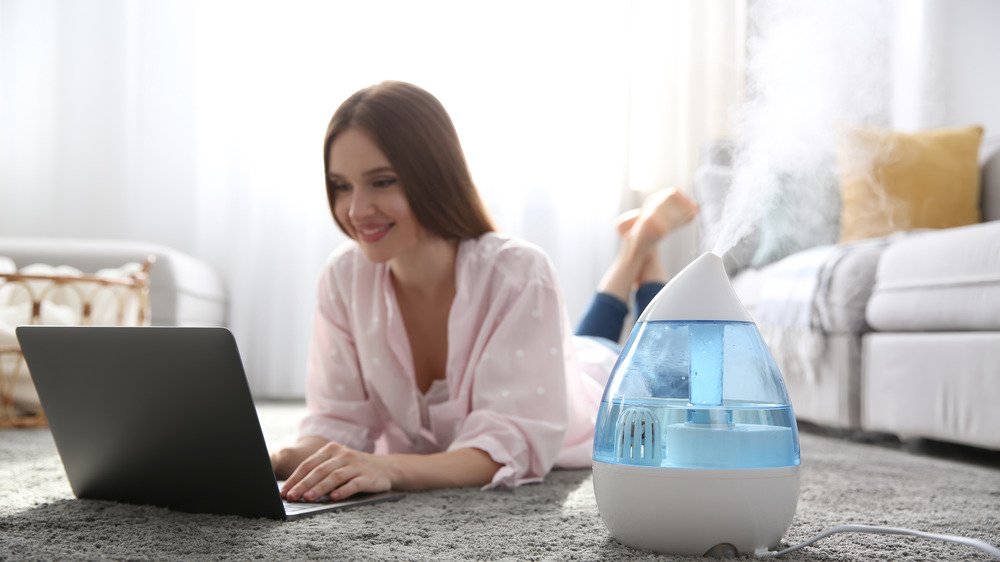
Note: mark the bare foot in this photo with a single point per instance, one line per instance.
(661, 213)
(626, 220)
(640, 230)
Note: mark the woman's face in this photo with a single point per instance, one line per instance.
(369, 199)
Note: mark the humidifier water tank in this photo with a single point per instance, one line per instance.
(696, 443)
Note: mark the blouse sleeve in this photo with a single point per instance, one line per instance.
(339, 407)
(518, 412)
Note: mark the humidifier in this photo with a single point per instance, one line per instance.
(696, 450)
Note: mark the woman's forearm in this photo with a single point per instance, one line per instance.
(462, 467)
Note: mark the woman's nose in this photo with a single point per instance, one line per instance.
(361, 204)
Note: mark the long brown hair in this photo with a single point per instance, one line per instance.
(413, 130)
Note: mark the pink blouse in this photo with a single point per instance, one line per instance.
(520, 386)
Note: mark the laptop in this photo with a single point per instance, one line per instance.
(159, 416)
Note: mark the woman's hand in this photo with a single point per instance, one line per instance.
(338, 471)
(286, 460)
(332, 469)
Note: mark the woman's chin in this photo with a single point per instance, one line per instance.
(374, 253)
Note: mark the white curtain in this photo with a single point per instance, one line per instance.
(198, 125)
(687, 64)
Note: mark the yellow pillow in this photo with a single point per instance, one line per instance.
(892, 181)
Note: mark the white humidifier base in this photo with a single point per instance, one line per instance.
(689, 511)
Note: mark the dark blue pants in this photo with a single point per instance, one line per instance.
(605, 317)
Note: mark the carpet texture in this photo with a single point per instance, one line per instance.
(843, 482)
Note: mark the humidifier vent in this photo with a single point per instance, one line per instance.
(637, 436)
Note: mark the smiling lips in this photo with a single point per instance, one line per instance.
(373, 233)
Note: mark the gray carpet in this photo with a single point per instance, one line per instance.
(843, 482)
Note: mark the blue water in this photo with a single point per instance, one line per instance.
(706, 341)
(698, 394)
(703, 362)
(736, 435)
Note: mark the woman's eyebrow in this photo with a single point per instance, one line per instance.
(371, 172)
(379, 170)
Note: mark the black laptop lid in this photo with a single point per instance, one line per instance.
(153, 415)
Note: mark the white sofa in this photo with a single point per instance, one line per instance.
(897, 335)
(183, 290)
(931, 363)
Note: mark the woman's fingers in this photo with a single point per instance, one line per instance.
(302, 477)
(286, 460)
(332, 482)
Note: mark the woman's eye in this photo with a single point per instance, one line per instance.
(340, 186)
(384, 182)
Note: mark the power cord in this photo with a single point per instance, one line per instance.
(975, 543)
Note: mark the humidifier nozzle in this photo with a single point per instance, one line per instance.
(701, 291)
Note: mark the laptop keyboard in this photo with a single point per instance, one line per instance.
(296, 507)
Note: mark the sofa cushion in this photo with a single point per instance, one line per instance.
(939, 280)
(800, 209)
(893, 181)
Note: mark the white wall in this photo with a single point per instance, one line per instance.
(947, 65)
(972, 64)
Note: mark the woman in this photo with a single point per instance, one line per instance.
(437, 342)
